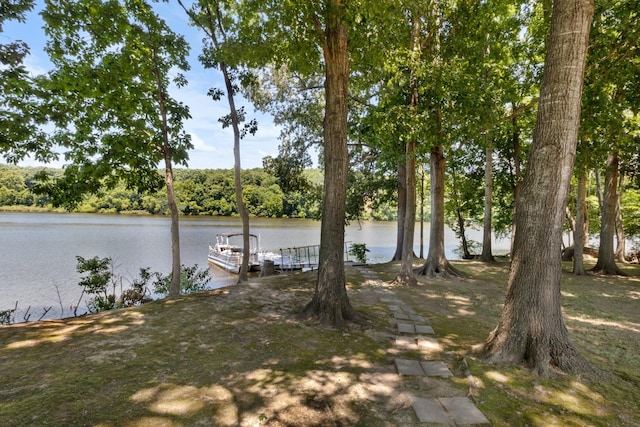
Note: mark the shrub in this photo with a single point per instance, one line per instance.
(359, 250)
(192, 280)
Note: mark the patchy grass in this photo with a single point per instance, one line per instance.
(239, 356)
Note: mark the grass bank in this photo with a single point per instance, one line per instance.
(238, 356)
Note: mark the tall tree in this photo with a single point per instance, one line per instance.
(306, 37)
(473, 77)
(210, 17)
(20, 93)
(606, 263)
(110, 101)
(465, 171)
(610, 109)
(497, 71)
(531, 328)
(406, 276)
(330, 303)
(436, 262)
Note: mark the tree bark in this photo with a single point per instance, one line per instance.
(436, 263)
(487, 251)
(422, 212)
(466, 254)
(606, 263)
(330, 303)
(237, 177)
(213, 22)
(402, 206)
(517, 183)
(174, 287)
(620, 236)
(531, 328)
(579, 235)
(406, 277)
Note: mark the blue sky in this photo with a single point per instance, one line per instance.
(213, 145)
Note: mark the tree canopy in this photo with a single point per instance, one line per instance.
(21, 95)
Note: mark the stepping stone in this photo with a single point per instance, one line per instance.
(429, 343)
(406, 328)
(401, 316)
(406, 343)
(424, 329)
(396, 308)
(463, 411)
(436, 368)
(409, 367)
(417, 318)
(430, 411)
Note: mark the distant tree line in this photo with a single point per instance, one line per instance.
(198, 192)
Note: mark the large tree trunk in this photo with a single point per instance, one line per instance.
(579, 235)
(406, 276)
(517, 171)
(330, 303)
(402, 206)
(606, 255)
(531, 328)
(487, 252)
(436, 263)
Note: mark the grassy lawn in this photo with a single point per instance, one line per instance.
(239, 356)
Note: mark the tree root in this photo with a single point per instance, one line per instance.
(614, 271)
(443, 268)
(336, 314)
(405, 279)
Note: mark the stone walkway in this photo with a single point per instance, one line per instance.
(415, 334)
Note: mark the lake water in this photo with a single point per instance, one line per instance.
(38, 250)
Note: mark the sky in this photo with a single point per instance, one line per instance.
(213, 145)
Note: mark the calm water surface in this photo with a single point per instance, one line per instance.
(38, 250)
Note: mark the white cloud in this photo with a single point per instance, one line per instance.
(199, 144)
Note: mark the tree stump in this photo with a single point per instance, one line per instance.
(267, 269)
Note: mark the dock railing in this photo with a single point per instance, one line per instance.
(304, 257)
